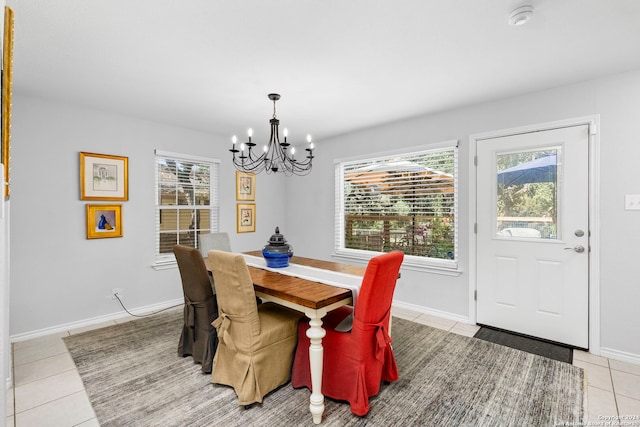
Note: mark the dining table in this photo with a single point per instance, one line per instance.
(313, 287)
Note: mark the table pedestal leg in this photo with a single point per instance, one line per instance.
(315, 334)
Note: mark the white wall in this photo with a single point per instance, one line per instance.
(616, 99)
(57, 275)
(5, 346)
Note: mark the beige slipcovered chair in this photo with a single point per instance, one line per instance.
(256, 341)
(199, 338)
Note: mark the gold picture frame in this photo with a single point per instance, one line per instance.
(104, 221)
(7, 83)
(104, 177)
(245, 217)
(245, 186)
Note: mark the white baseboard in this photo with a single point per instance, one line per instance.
(9, 378)
(605, 352)
(94, 320)
(621, 356)
(432, 312)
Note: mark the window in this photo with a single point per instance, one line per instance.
(405, 201)
(186, 201)
(527, 193)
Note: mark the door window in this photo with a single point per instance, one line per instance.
(527, 193)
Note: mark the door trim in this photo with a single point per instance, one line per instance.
(593, 122)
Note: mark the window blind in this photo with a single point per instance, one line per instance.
(186, 201)
(405, 201)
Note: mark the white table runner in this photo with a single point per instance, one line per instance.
(334, 278)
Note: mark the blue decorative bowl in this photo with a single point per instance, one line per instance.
(276, 259)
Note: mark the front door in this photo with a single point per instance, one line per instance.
(532, 234)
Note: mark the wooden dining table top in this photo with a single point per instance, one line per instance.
(303, 292)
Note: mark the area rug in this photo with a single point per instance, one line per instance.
(134, 377)
(528, 344)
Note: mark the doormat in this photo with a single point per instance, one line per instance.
(530, 345)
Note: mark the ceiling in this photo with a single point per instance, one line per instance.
(340, 65)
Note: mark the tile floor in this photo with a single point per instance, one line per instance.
(49, 392)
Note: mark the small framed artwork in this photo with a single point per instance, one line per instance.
(104, 177)
(104, 221)
(246, 218)
(245, 186)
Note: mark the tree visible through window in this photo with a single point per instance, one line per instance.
(186, 201)
(403, 202)
(526, 199)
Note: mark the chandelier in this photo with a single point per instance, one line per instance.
(275, 156)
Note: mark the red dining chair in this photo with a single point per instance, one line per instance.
(356, 362)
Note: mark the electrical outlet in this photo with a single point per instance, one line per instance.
(116, 291)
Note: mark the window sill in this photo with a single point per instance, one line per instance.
(443, 267)
(164, 265)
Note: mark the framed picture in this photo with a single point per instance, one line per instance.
(246, 218)
(7, 82)
(245, 186)
(103, 177)
(104, 221)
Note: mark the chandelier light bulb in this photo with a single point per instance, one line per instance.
(308, 138)
(250, 132)
(264, 148)
(242, 146)
(293, 150)
(311, 145)
(285, 132)
(234, 139)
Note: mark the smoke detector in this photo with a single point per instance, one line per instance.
(520, 15)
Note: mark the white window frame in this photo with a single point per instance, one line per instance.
(412, 262)
(163, 261)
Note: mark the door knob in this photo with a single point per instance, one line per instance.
(578, 248)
